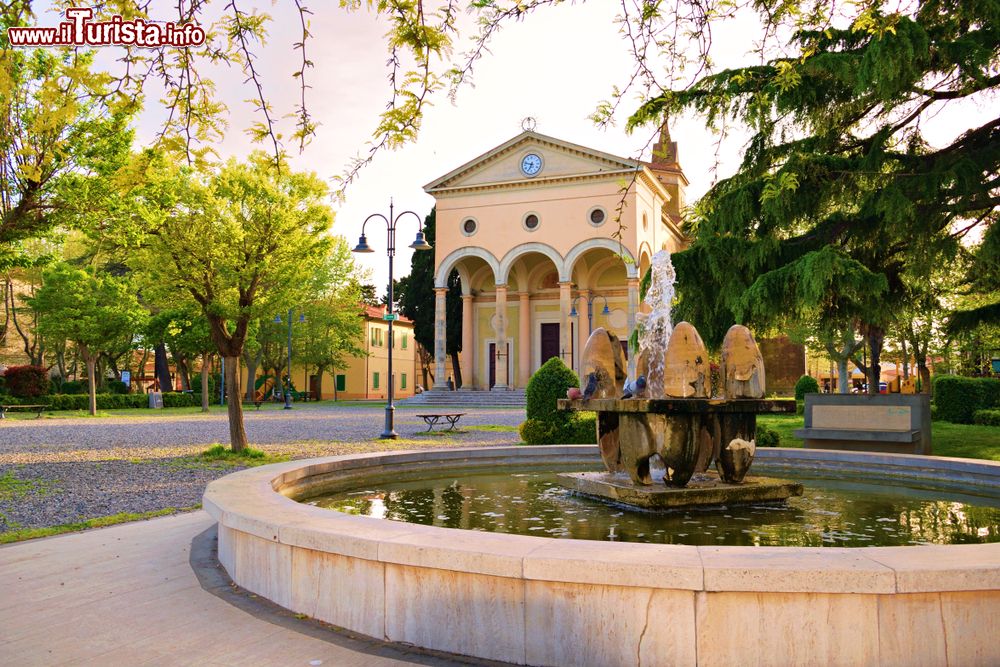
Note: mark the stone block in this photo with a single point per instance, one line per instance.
(800, 570)
(971, 623)
(263, 567)
(607, 626)
(786, 629)
(911, 631)
(932, 568)
(341, 590)
(469, 614)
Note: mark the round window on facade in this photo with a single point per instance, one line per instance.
(469, 226)
(597, 216)
(531, 222)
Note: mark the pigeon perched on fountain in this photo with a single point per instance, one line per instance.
(592, 383)
(635, 389)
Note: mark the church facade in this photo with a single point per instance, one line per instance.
(549, 240)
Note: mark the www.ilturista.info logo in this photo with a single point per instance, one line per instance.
(79, 30)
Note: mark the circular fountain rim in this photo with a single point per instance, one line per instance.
(255, 501)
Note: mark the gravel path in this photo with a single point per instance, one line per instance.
(59, 471)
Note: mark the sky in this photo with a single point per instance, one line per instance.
(554, 66)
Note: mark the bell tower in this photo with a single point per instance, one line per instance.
(665, 166)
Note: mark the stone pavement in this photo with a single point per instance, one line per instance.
(133, 595)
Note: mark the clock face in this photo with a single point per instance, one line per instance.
(531, 164)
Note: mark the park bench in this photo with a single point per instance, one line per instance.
(435, 419)
(894, 423)
(38, 408)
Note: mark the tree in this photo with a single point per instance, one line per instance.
(184, 329)
(59, 120)
(839, 194)
(95, 312)
(333, 324)
(415, 295)
(241, 241)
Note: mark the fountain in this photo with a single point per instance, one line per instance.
(669, 413)
(758, 584)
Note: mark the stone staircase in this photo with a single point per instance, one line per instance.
(466, 399)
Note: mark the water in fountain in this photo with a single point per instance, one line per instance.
(657, 327)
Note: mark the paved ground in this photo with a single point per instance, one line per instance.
(133, 595)
(55, 471)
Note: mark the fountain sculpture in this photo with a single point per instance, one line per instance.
(667, 410)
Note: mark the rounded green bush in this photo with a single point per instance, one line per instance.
(116, 387)
(767, 437)
(546, 386)
(806, 384)
(989, 417)
(535, 432)
(73, 387)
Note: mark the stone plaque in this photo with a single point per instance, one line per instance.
(862, 417)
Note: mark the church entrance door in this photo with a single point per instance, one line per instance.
(550, 341)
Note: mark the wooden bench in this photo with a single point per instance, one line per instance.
(894, 423)
(435, 419)
(38, 408)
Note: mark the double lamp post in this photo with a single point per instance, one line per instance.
(418, 244)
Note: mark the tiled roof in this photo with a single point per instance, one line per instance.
(376, 313)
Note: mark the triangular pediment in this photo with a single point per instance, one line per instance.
(503, 165)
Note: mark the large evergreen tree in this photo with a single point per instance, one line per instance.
(839, 194)
(415, 297)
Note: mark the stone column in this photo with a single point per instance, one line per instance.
(632, 310)
(440, 334)
(500, 328)
(582, 327)
(524, 343)
(565, 299)
(468, 355)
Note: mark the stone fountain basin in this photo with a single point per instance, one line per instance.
(544, 601)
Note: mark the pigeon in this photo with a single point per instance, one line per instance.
(592, 383)
(636, 388)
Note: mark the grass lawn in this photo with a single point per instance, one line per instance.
(214, 409)
(962, 440)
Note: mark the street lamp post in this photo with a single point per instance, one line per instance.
(590, 313)
(288, 374)
(418, 244)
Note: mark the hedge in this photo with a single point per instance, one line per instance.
(989, 417)
(106, 401)
(958, 398)
(805, 385)
(581, 429)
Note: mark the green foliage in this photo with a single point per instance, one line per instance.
(73, 387)
(767, 437)
(416, 298)
(546, 386)
(806, 384)
(27, 381)
(116, 387)
(545, 424)
(989, 417)
(958, 398)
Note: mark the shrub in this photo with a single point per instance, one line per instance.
(767, 437)
(73, 387)
(175, 399)
(546, 425)
(958, 398)
(27, 381)
(115, 387)
(989, 417)
(546, 386)
(800, 407)
(806, 384)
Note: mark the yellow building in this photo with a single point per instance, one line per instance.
(531, 228)
(367, 377)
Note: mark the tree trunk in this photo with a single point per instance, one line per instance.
(457, 366)
(252, 361)
(91, 383)
(183, 370)
(320, 370)
(206, 368)
(162, 368)
(843, 379)
(906, 361)
(876, 336)
(237, 434)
